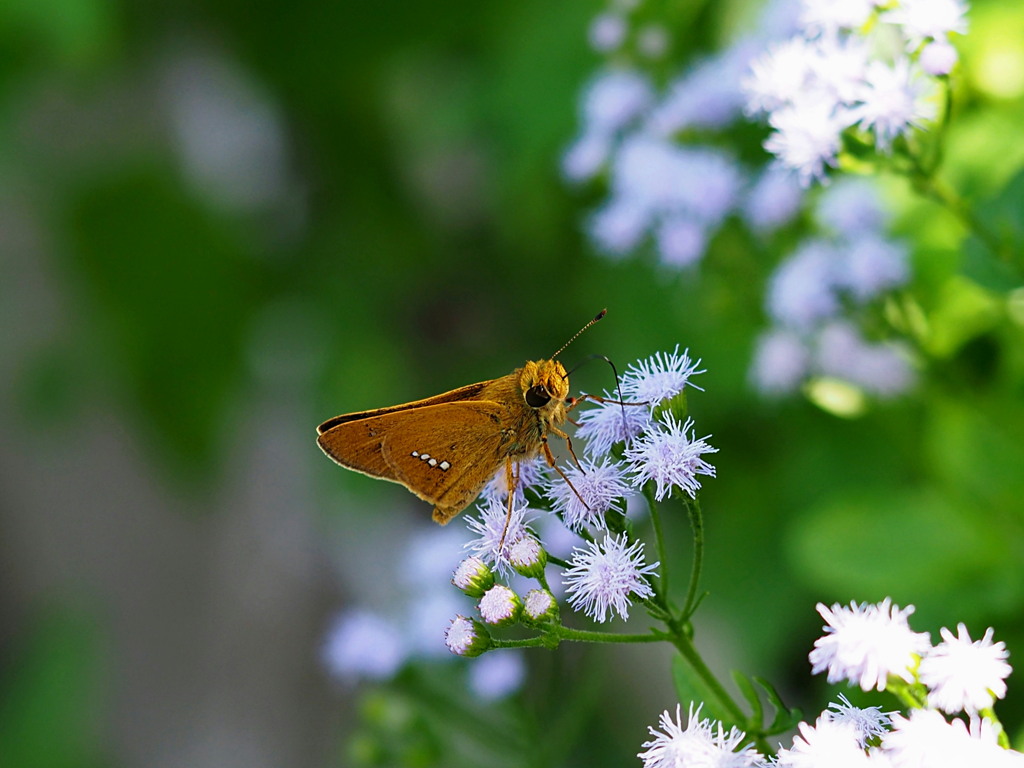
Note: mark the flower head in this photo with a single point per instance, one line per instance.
(467, 637)
(494, 540)
(362, 644)
(603, 575)
(670, 457)
(826, 743)
(924, 739)
(865, 644)
(698, 743)
(497, 675)
(868, 722)
(806, 137)
(540, 605)
(928, 19)
(892, 100)
(609, 423)
(660, 377)
(527, 557)
(601, 487)
(500, 606)
(965, 676)
(473, 576)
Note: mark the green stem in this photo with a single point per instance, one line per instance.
(553, 636)
(1003, 739)
(697, 524)
(659, 537)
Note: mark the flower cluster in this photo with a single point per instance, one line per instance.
(950, 687)
(826, 278)
(628, 444)
(867, 69)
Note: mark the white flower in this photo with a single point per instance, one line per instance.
(826, 17)
(707, 97)
(965, 676)
(892, 100)
(473, 576)
(801, 291)
(839, 65)
(869, 722)
(806, 137)
(602, 577)
(609, 423)
(681, 241)
(865, 644)
(780, 76)
(828, 742)
(601, 487)
(527, 474)
(669, 457)
(926, 740)
(928, 19)
(660, 377)
(539, 604)
(494, 542)
(497, 675)
(362, 644)
(780, 362)
(700, 743)
(938, 58)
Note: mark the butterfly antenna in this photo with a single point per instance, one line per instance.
(600, 314)
(615, 373)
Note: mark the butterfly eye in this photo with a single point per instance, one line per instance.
(537, 396)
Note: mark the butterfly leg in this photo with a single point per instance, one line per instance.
(554, 465)
(512, 483)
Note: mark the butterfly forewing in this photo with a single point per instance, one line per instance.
(445, 466)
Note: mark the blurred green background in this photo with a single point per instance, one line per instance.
(223, 222)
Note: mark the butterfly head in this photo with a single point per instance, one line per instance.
(545, 384)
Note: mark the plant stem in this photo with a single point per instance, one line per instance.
(553, 636)
(697, 524)
(659, 537)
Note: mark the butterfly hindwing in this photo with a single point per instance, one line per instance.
(447, 467)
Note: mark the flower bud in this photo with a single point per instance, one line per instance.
(473, 576)
(500, 606)
(528, 557)
(467, 637)
(540, 606)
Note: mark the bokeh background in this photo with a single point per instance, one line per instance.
(223, 222)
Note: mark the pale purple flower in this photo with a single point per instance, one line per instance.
(828, 742)
(709, 96)
(607, 32)
(865, 644)
(496, 676)
(606, 424)
(660, 377)
(806, 137)
(827, 17)
(840, 64)
(601, 485)
(924, 739)
(882, 369)
(774, 199)
(871, 265)
(531, 473)
(893, 99)
(619, 226)
(586, 156)
(781, 361)
(473, 576)
(801, 291)
(965, 676)
(494, 541)
(539, 604)
(852, 206)
(701, 743)
(361, 644)
(527, 557)
(604, 575)
(681, 241)
(923, 20)
(652, 41)
(614, 98)
(669, 457)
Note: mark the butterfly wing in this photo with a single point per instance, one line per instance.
(444, 453)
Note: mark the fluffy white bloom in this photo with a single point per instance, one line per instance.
(928, 19)
(781, 361)
(926, 740)
(780, 76)
(840, 64)
(609, 423)
(828, 742)
(499, 605)
(938, 58)
(865, 644)
(893, 99)
(806, 137)
(869, 722)
(965, 676)
(603, 575)
(670, 457)
(827, 17)
(601, 486)
(539, 603)
(493, 542)
(586, 156)
(466, 637)
(660, 377)
(362, 644)
(700, 743)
